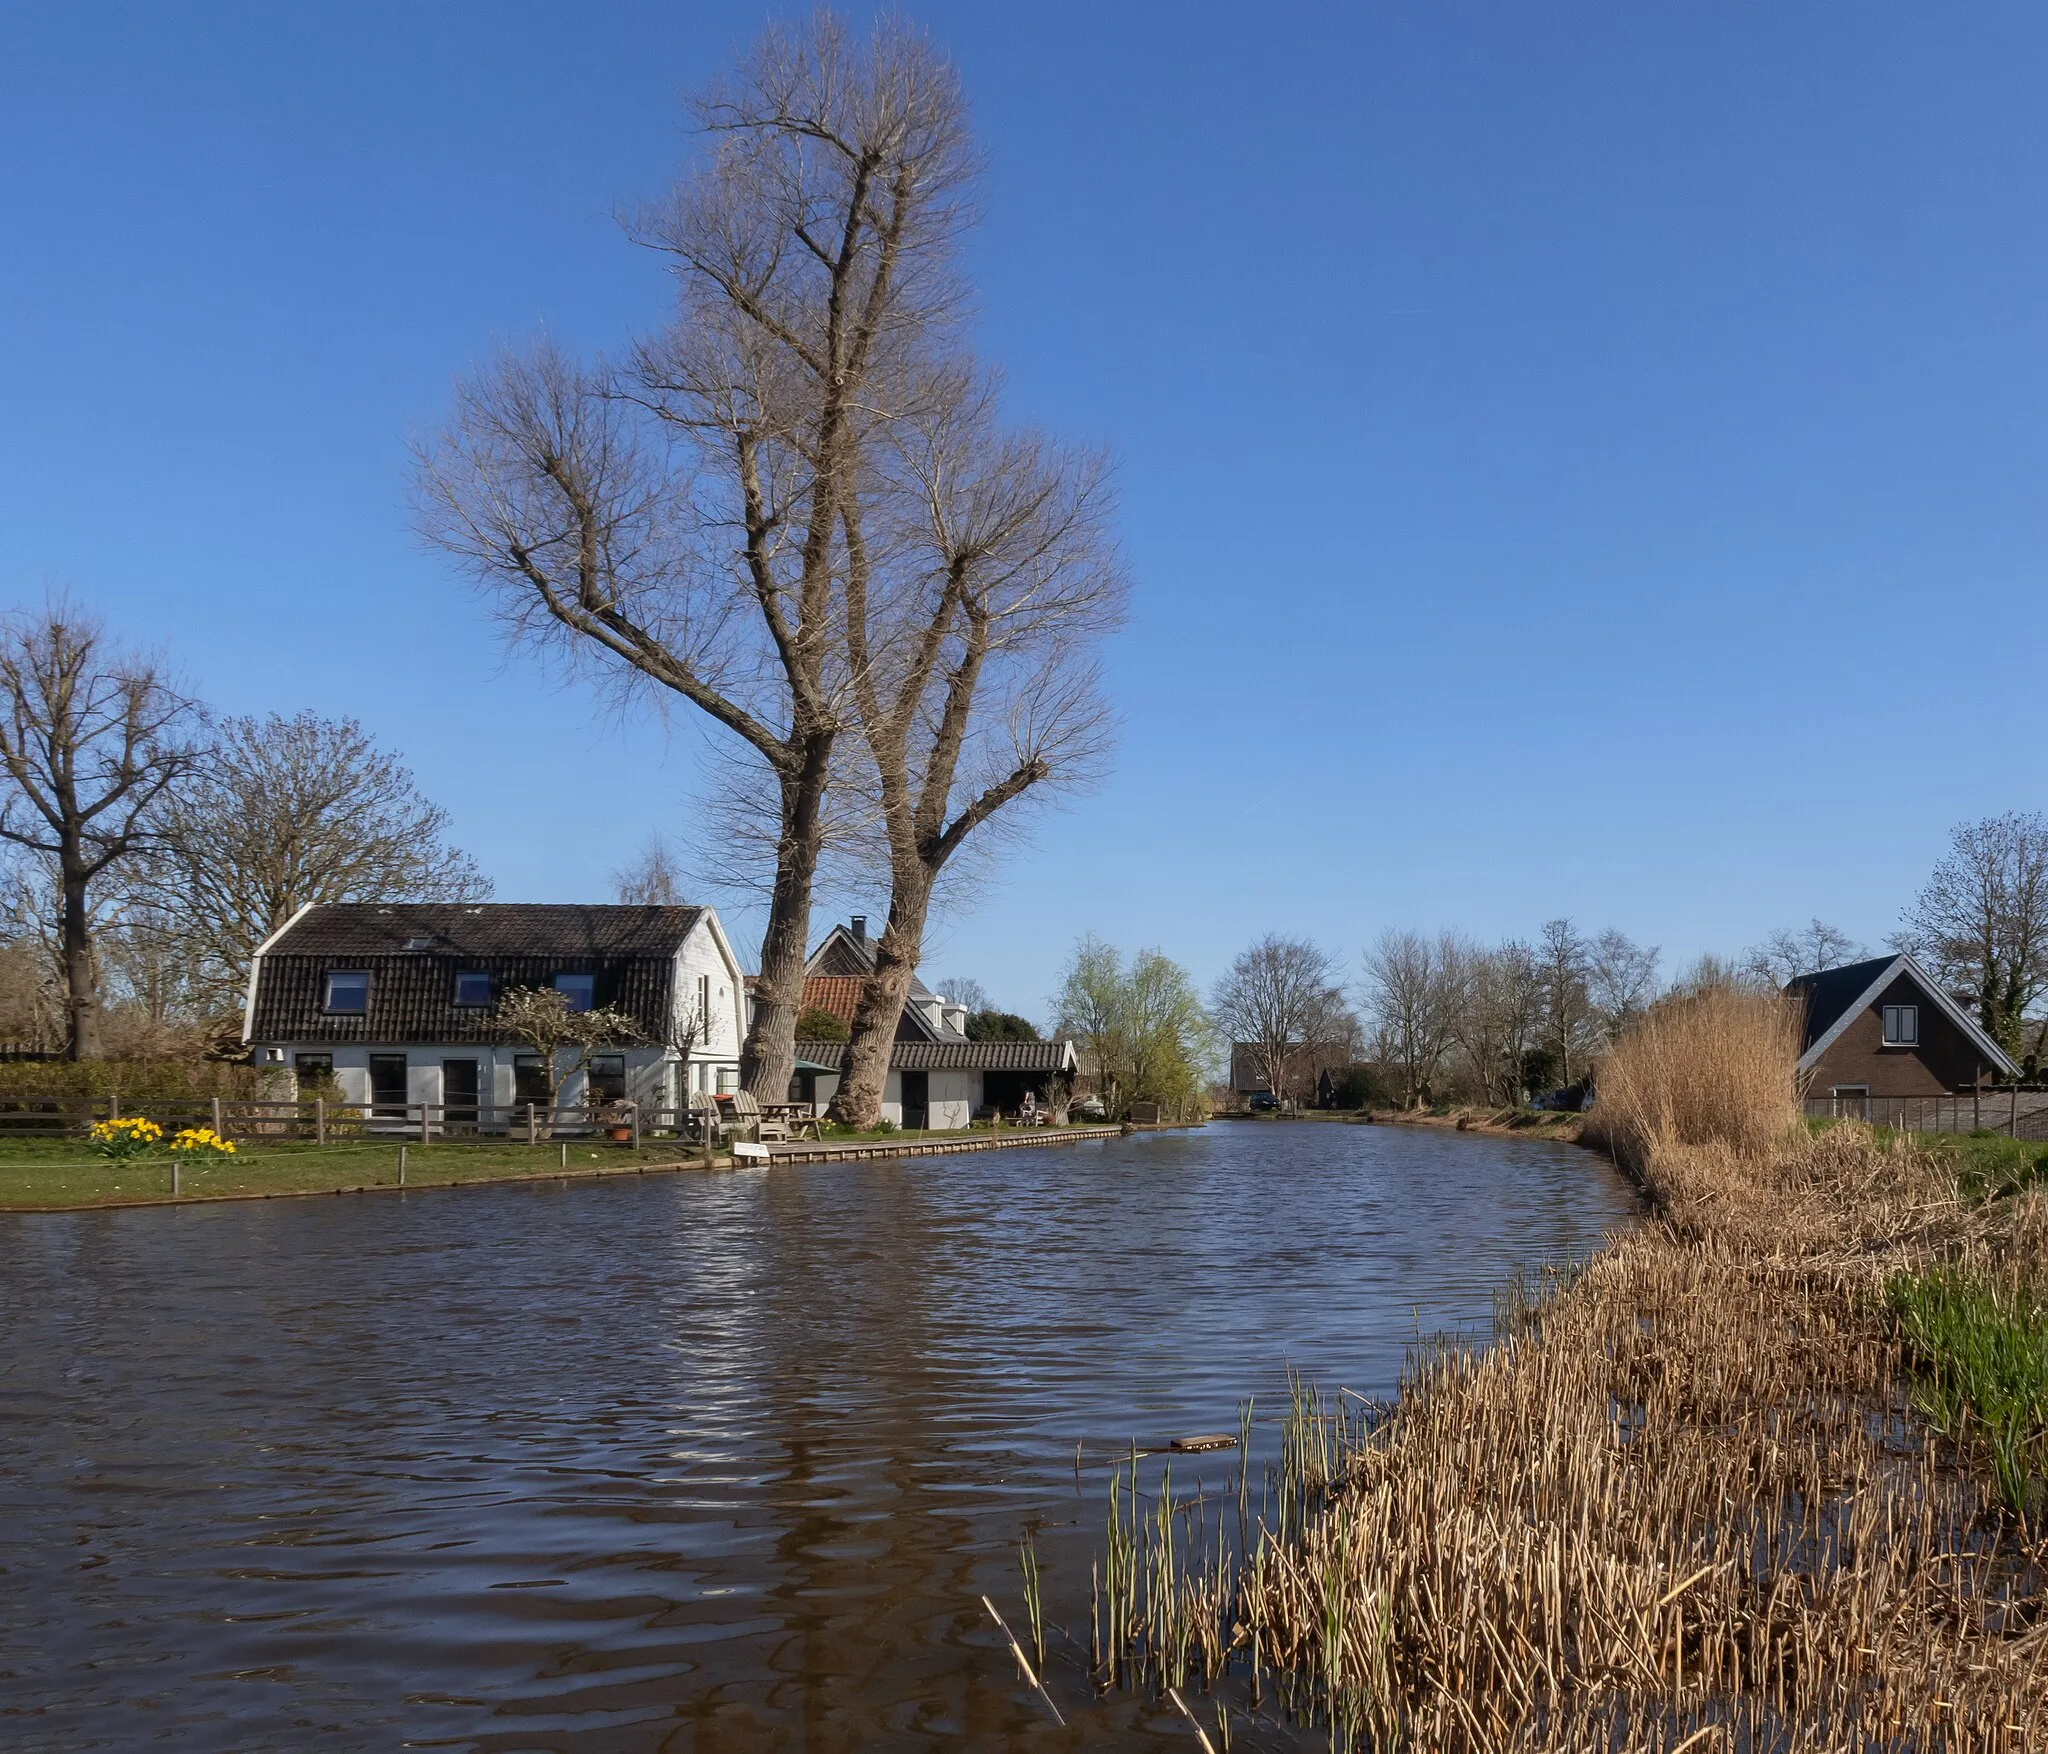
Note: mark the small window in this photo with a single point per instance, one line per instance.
(607, 1082)
(472, 987)
(704, 1009)
(579, 989)
(348, 994)
(1901, 1026)
(530, 1081)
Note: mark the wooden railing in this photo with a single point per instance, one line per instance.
(2020, 1114)
(321, 1122)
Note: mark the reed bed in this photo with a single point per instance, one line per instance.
(1695, 1495)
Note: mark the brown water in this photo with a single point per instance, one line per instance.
(687, 1462)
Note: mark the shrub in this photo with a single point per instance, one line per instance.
(815, 1023)
(1716, 1068)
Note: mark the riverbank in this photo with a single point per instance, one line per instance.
(60, 1176)
(1765, 1472)
(1526, 1123)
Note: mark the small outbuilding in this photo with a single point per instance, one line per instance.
(1885, 1028)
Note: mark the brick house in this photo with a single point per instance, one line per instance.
(1885, 1028)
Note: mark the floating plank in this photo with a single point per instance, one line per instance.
(1208, 1440)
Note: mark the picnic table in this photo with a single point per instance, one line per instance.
(801, 1118)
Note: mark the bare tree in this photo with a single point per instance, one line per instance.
(1786, 954)
(980, 570)
(543, 1021)
(968, 993)
(678, 520)
(1417, 988)
(653, 879)
(1981, 921)
(277, 814)
(1621, 980)
(1565, 959)
(91, 740)
(1502, 1019)
(1276, 998)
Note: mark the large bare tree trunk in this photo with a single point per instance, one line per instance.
(882, 997)
(768, 1060)
(81, 978)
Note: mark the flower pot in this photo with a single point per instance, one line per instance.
(622, 1135)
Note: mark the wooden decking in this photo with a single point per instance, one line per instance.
(905, 1146)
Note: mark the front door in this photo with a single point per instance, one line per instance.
(458, 1092)
(387, 1086)
(917, 1099)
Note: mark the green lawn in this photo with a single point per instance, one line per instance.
(41, 1174)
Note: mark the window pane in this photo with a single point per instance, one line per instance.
(472, 988)
(579, 989)
(348, 993)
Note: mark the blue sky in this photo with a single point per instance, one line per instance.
(1578, 459)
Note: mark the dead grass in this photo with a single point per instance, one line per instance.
(1685, 1502)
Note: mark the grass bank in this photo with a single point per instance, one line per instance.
(45, 1175)
(1765, 1473)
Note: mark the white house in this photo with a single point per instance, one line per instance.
(394, 1001)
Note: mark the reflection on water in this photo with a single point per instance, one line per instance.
(691, 1462)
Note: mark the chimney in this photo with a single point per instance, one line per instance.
(859, 927)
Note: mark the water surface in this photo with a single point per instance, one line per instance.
(711, 1461)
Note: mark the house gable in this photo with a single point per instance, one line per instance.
(1843, 1036)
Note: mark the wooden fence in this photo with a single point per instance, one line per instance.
(2019, 1114)
(319, 1122)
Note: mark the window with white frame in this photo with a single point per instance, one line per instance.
(1901, 1026)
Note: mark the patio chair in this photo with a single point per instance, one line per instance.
(746, 1111)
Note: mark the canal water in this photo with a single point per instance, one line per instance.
(695, 1462)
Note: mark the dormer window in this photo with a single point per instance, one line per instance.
(472, 987)
(347, 993)
(1902, 1026)
(580, 990)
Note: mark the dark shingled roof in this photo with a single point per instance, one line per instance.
(1831, 991)
(953, 1056)
(487, 928)
(413, 951)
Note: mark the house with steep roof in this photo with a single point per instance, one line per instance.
(393, 1002)
(937, 1077)
(1886, 1028)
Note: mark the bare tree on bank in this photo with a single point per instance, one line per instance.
(1621, 980)
(678, 520)
(979, 570)
(277, 814)
(91, 739)
(1566, 961)
(1277, 998)
(1501, 1019)
(1981, 922)
(653, 879)
(1787, 954)
(1417, 989)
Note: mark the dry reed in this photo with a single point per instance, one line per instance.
(1683, 1503)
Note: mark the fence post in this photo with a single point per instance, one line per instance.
(2013, 1125)
(635, 1117)
(174, 1175)
(426, 1122)
(1976, 1108)
(217, 1133)
(532, 1131)
(114, 1105)
(319, 1120)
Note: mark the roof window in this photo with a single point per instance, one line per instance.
(346, 993)
(580, 990)
(472, 987)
